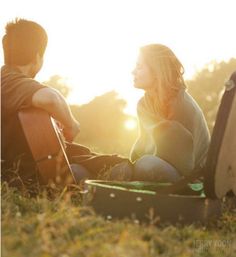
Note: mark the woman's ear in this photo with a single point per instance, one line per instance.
(34, 59)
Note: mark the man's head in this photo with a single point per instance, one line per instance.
(23, 43)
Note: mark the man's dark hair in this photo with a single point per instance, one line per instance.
(22, 41)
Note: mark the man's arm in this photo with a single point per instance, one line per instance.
(55, 104)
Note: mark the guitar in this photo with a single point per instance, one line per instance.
(47, 147)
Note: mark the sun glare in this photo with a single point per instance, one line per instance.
(90, 46)
(130, 124)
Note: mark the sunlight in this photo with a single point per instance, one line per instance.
(130, 124)
(96, 50)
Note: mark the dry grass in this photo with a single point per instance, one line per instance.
(62, 227)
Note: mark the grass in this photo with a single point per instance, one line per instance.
(62, 227)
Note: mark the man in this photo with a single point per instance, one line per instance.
(24, 45)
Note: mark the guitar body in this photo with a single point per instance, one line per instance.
(46, 146)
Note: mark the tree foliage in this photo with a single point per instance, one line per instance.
(59, 83)
(103, 124)
(207, 87)
(103, 119)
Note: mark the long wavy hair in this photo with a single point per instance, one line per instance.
(168, 73)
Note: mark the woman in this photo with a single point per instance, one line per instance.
(173, 134)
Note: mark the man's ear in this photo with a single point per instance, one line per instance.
(35, 59)
(36, 65)
(39, 60)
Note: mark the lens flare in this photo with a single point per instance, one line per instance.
(130, 124)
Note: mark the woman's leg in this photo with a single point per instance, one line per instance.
(121, 172)
(80, 173)
(152, 168)
(104, 166)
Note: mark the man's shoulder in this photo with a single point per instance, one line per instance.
(11, 72)
(11, 77)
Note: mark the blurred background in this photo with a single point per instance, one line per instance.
(93, 46)
(107, 128)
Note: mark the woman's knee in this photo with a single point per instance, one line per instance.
(145, 167)
(153, 168)
(121, 172)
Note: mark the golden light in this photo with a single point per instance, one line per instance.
(130, 124)
(97, 59)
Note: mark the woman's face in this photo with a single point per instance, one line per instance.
(143, 77)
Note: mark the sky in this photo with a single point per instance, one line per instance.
(94, 44)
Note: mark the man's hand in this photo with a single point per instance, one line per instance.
(55, 104)
(71, 132)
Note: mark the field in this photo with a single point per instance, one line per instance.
(62, 227)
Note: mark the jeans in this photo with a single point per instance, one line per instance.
(153, 168)
(120, 172)
(80, 173)
(90, 165)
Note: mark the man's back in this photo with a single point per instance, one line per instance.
(16, 94)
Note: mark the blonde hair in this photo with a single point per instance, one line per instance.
(168, 72)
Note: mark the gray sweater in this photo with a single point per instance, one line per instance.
(182, 139)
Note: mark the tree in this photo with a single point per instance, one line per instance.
(58, 83)
(102, 124)
(207, 87)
